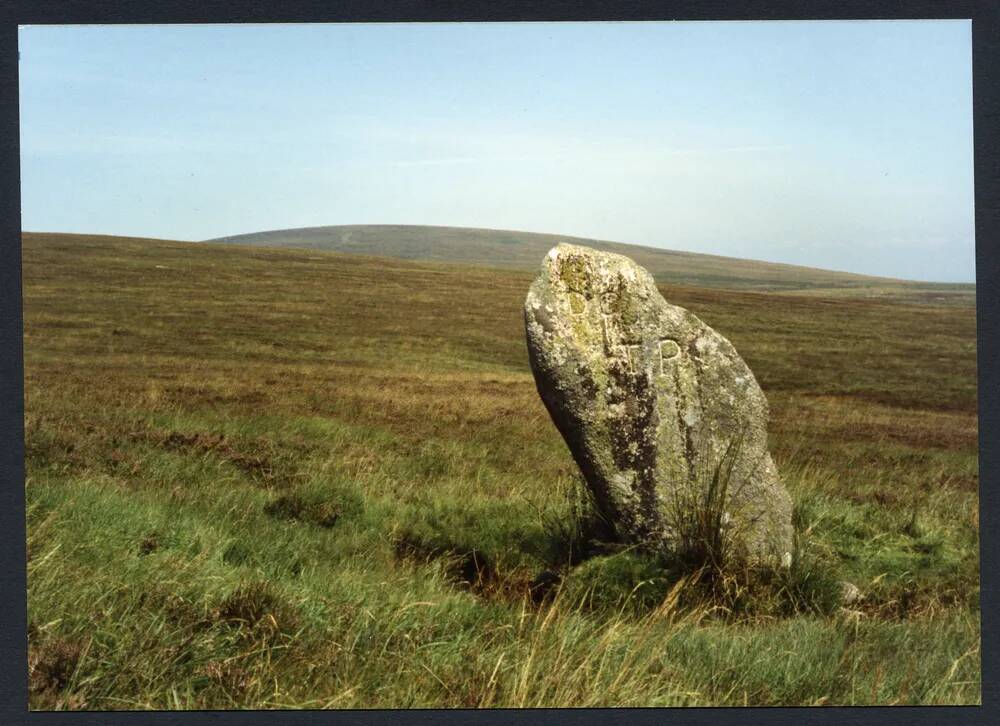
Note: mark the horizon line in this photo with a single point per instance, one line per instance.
(219, 239)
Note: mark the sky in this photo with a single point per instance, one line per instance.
(838, 144)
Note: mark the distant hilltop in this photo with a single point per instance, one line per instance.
(525, 250)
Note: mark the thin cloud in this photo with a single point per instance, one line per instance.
(581, 156)
(456, 160)
(103, 144)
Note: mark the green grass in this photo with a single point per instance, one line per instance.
(277, 478)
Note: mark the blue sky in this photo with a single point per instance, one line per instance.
(845, 145)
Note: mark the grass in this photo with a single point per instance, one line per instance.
(698, 517)
(275, 478)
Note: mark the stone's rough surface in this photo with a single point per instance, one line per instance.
(649, 399)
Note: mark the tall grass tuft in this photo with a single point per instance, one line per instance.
(705, 537)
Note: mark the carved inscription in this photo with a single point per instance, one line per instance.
(630, 352)
(616, 346)
(610, 334)
(608, 301)
(634, 354)
(669, 349)
(612, 345)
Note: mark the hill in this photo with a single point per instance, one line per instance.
(272, 478)
(524, 250)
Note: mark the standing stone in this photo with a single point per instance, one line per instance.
(649, 399)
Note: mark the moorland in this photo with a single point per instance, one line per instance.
(272, 478)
